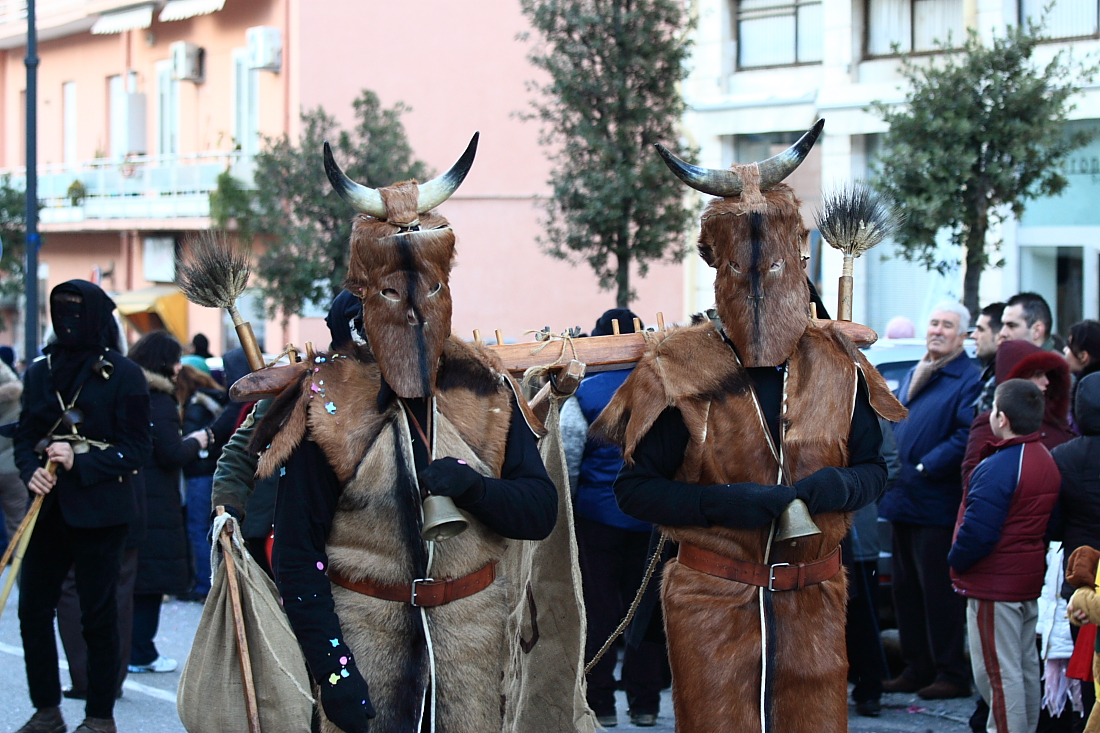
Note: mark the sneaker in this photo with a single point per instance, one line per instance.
(643, 720)
(73, 693)
(608, 721)
(160, 664)
(97, 725)
(45, 720)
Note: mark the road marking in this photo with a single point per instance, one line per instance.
(127, 685)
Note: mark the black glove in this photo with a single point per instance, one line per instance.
(745, 505)
(452, 477)
(347, 701)
(823, 491)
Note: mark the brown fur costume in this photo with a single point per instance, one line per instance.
(375, 531)
(712, 624)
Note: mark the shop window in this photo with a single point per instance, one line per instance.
(779, 33)
(903, 26)
(1065, 18)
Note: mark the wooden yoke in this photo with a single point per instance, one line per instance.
(558, 354)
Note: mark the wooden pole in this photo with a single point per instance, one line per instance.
(660, 321)
(18, 545)
(615, 326)
(500, 337)
(251, 706)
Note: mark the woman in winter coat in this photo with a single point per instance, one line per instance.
(1024, 360)
(1083, 355)
(164, 564)
(201, 399)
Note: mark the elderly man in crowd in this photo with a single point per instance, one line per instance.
(1027, 317)
(939, 392)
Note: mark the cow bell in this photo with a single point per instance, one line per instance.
(795, 522)
(442, 520)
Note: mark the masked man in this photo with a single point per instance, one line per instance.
(366, 434)
(86, 408)
(723, 424)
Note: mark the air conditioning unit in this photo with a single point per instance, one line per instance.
(187, 61)
(265, 48)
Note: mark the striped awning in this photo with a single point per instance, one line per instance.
(131, 19)
(184, 9)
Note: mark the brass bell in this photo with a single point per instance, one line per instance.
(795, 522)
(442, 520)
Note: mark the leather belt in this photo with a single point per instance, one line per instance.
(777, 577)
(426, 592)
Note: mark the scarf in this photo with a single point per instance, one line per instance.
(926, 368)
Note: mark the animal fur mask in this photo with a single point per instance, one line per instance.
(400, 265)
(402, 279)
(760, 289)
(753, 236)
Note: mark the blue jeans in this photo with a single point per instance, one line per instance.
(198, 528)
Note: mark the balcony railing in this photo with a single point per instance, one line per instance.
(142, 187)
(15, 11)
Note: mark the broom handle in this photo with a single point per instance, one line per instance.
(251, 706)
(247, 338)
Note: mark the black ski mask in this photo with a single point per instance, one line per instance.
(85, 329)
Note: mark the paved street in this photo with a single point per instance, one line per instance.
(148, 704)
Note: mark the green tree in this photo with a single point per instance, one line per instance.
(231, 201)
(981, 133)
(13, 232)
(307, 224)
(614, 69)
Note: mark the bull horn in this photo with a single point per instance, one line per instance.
(363, 199)
(727, 183)
(440, 188)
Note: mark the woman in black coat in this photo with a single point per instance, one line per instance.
(164, 562)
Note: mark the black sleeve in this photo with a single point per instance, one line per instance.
(170, 450)
(523, 503)
(131, 442)
(864, 480)
(226, 423)
(306, 503)
(647, 491)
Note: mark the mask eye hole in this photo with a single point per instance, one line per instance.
(436, 288)
(390, 294)
(776, 266)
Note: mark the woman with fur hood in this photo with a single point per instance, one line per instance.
(164, 563)
(13, 492)
(1024, 360)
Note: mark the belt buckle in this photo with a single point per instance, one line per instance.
(771, 574)
(412, 600)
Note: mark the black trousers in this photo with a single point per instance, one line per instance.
(146, 622)
(931, 616)
(96, 556)
(613, 562)
(866, 659)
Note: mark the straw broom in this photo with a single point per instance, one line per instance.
(17, 547)
(854, 219)
(214, 276)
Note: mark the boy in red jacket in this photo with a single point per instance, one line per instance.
(998, 556)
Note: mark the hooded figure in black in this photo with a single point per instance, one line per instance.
(86, 409)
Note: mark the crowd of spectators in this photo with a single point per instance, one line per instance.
(994, 484)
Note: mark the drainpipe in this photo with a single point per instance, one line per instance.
(30, 275)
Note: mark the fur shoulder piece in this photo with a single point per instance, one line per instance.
(476, 368)
(159, 382)
(883, 401)
(689, 362)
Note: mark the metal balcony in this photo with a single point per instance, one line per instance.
(138, 187)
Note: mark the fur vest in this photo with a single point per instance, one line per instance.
(712, 624)
(376, 531)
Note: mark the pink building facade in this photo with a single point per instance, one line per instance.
(140, 107)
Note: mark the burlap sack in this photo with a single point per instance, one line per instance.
(544, 684)
(211, 693)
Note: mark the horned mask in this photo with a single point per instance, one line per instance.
(753, 237)
(400, 265)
